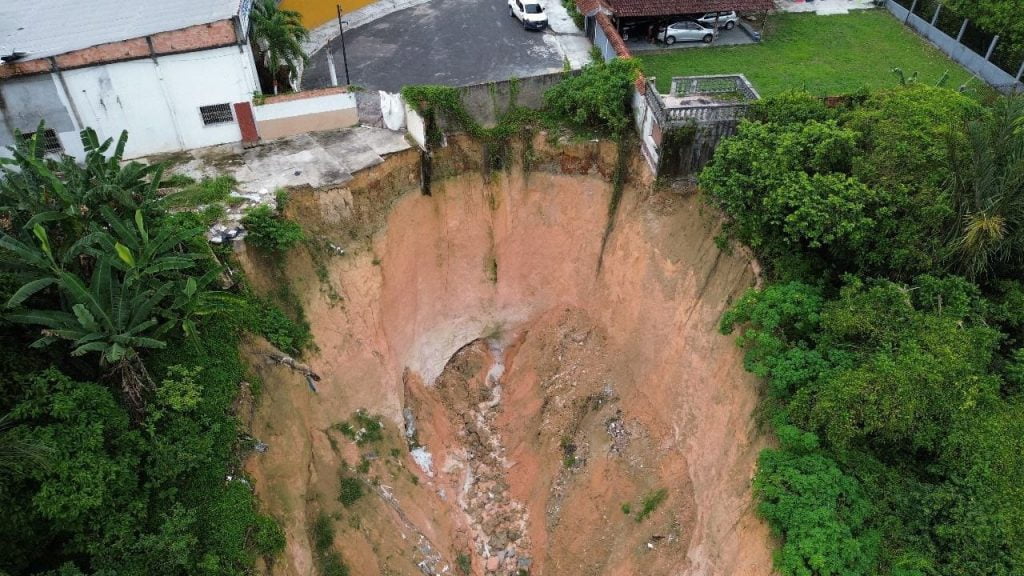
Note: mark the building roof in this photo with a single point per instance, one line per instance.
(44, 28)
(631, 8)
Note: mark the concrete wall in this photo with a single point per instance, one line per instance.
(648, 129)
(25, 100)
(977, 64)
(603, 43)
(306, 112)
(487, 102)
(156, 100)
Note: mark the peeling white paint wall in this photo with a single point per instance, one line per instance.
(157, 101)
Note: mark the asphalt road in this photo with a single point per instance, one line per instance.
(453, 42)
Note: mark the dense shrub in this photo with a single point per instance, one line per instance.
(270, 230)
(893, 386)
(598, 98)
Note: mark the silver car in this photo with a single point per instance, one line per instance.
(686, 31)
(725, 20)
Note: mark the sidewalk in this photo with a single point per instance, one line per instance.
(823, 7)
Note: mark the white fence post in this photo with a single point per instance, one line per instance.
(991, 47)
(911, 11)
(935, 17)
(1020, 72)
(963, 28)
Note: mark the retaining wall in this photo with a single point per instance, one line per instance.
(488, 102)
(966, 57)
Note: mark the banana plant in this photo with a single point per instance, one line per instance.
(99, 269)
(66, 196)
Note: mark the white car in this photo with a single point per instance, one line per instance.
(726, 20)
(686, 31)
(530, 13)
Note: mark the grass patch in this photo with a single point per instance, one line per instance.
(363, 429)
(323, 533)
(351, 491)
(825, 55)
(206, 191)
(650, 503)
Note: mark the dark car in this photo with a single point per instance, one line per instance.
(637, 29)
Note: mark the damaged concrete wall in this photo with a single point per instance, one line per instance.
(487, 102)
(26, 101)
(156, 100)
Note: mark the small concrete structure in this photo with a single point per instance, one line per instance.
(704, 108)
(310, 111)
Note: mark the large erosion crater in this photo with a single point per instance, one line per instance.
(555, 395)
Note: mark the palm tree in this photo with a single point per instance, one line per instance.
(987, 190)
(277, 37)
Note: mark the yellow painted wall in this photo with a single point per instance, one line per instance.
(316, 12)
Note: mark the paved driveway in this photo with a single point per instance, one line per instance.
(453, 42)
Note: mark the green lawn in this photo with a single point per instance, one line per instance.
(826, 55)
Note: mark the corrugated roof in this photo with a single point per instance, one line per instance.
(629, 8)
(44, 28)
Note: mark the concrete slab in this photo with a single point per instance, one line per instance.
(316, 159)
(823, 7)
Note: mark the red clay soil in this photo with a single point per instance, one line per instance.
(552, 398)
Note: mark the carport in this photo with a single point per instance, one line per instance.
(635, 20)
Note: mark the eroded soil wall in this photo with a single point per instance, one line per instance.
(551, 398)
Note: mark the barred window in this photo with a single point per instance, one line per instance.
(216, 114)
(49, 140)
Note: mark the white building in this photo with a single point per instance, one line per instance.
(168, 71)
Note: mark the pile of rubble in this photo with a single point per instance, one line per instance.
(230, 226)
(498, 522)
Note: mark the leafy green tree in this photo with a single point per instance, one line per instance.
(794, 107)
(981, 526)
(892, 386)
(779, 328)
(904, 135)
(598, 98)
(820, 512)
(786, 187)
(277, 36)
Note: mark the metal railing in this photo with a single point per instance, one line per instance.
(707, 113)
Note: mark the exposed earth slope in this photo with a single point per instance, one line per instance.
(549, 397)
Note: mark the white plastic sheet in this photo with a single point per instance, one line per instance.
(392, 109)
